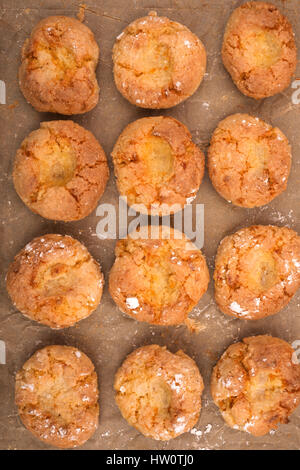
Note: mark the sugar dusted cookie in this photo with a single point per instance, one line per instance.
(257, 271)
(158, 63)
(158, 167)
(259, 49)
(57, 73)
(57, 396)
(54, 280)
(158, 280)
(159, 393)
(249, 161)
(256, 384)
(60, 171)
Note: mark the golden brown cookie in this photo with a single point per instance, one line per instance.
(159, 393)
(158, 63)
(158, 280)
(256, 384)
(257, 271)
(60, 171)
(57, 73)
(158, 167)
(57, 396)
(54, 280)
(259, 49)
(249, 161)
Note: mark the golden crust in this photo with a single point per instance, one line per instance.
(158, 280)
(157, 165)
(259, 49)
(57, 73)
(159, 393)
(57, 396)
(55, 281)
(60, 171)
(158, 63)
(249, 161)
(256, 385)
(257, 271)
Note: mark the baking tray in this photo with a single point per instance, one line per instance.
(107, 336)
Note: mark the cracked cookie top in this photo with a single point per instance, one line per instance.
(54, 280)
(57, 72)
(159, 393)
(256, 384)
(158, 280)
(158, 167)
(60, 171)
(249, 161)
(56, 394)
(259, 49)
(257, 271)
(157, 62)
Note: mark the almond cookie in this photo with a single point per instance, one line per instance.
(256, 384)
(257, 271)
(158, 63)
(259, 50)
(54, 280)
(249, 161)
(159, 393)
(57, 72)
(57, 396)
(158, 167)
(60, 171)
(158, 279)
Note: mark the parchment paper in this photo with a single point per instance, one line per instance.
(107, 336)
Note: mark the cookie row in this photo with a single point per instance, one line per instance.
(61, 171)
(255, 384)
(158, 63)
(157, 279)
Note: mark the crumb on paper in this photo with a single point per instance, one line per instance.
(194, 326)
(81, 12)
(208, 429)
(196, 432)
(13, 105)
